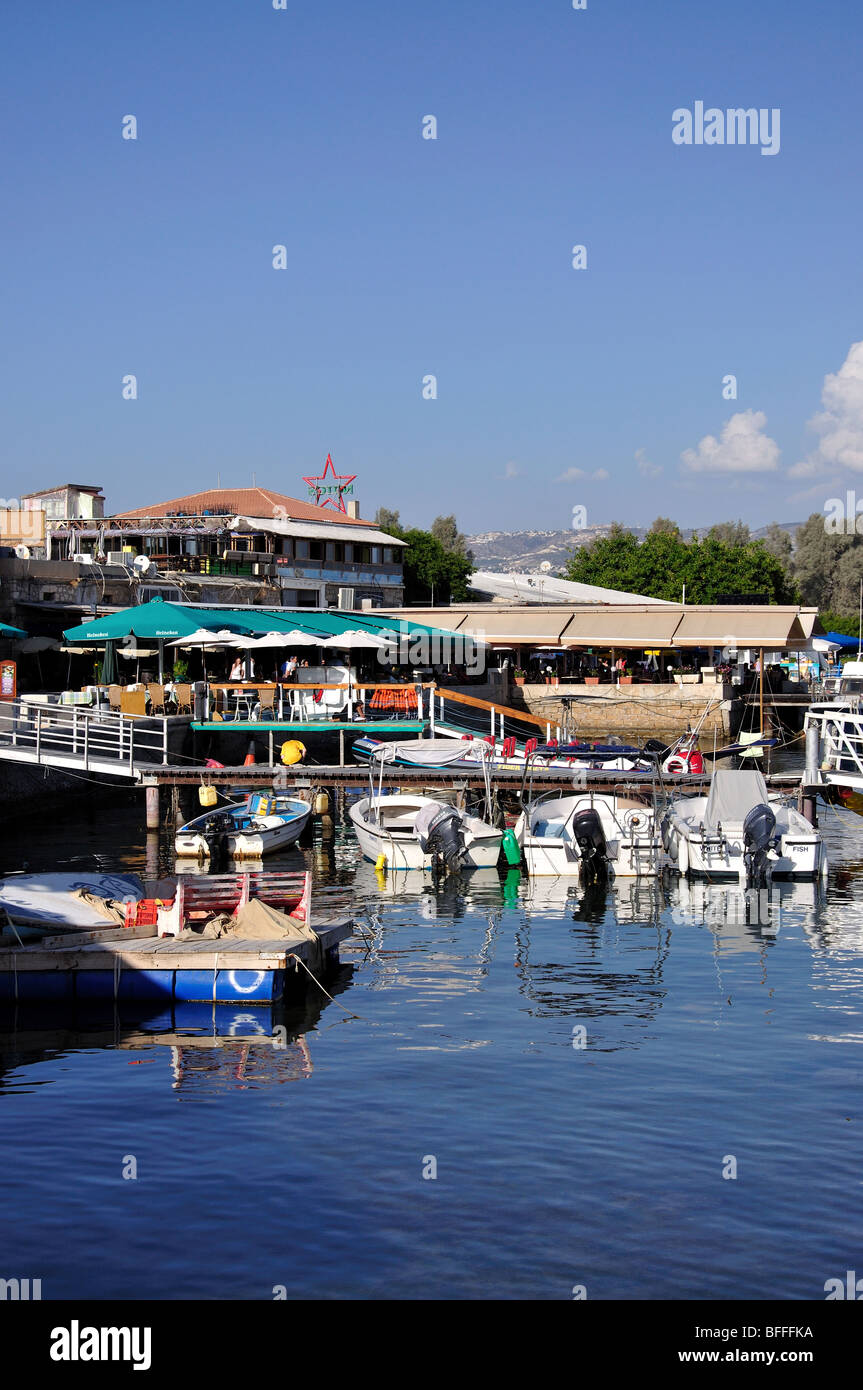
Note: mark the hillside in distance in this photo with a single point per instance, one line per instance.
(523, 552)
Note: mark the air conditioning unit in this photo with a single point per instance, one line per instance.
(346, 598)
(83, 559)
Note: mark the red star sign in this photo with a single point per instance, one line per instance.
(333, 492)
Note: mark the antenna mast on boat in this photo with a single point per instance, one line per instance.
(860, 624)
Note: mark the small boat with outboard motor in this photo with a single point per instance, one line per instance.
(403, 831)
(258, 825)
(592, 835)
(469, 753)
(740, 830)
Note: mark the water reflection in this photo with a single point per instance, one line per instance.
(202, 1050)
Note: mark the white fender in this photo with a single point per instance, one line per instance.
(683, 855)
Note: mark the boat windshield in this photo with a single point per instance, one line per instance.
(851, 685)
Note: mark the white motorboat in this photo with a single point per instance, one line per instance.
(838, 756)
(740, 830)
(33, 904)
(590, 835)
(465, 753)
(264, 822)
(402, 831)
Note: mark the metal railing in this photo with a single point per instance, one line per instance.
(71, 736)
(840, 739)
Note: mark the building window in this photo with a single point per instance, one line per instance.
(301, 550)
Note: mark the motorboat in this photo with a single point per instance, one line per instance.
(467, 753)
(740, 830)
(35, 904)
(262, 823)
(403, 831)
(838, 723)
(591, 835)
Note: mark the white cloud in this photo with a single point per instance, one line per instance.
(645, 467)
(840, 423)
(512, 470)
(574, 475)
(815, 493)
(742, 447)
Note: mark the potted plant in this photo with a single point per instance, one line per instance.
(591, 680)
(626, 676)
(519, 676)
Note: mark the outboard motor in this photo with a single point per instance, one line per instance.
(590, 837)
(439, 830)
(759, 829)
(216, 834)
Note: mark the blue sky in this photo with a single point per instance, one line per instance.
(302, 127)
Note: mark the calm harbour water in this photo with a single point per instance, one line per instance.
(707, 1038)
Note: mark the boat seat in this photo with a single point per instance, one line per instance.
(550, 829)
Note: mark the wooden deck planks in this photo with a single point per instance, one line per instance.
(166, 953)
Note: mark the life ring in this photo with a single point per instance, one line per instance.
(260, 976)
(676, 765)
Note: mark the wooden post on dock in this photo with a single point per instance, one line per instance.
(761, 688)
(152, 802)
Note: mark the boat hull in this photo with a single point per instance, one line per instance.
(264, 835)
(634, 848)
(400, 848)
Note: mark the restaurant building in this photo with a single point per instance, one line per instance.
(222, 546)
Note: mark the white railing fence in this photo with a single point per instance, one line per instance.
(54, 735)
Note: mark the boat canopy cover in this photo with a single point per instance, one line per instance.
(733, 793)
(430, 752)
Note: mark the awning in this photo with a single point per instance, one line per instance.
(7, 631)
(768, 626)
(524, 626)
(313, 530)
(651, 626)
(152, 621)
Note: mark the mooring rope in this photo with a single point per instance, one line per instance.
(292, 956)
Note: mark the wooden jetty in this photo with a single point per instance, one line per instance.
(134, 963)
(75, 966)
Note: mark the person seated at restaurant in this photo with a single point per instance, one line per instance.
(288, 668)
(238, 670)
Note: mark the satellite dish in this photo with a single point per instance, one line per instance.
(141, 563)
(22, 552)
(545, 566)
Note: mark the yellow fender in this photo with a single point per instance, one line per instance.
(293, 752)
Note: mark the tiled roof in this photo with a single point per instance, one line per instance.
(246, 501)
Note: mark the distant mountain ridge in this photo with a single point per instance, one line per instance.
(522, 552)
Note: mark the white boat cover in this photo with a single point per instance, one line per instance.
(431, 752)
(61, 899)
(733, 793)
